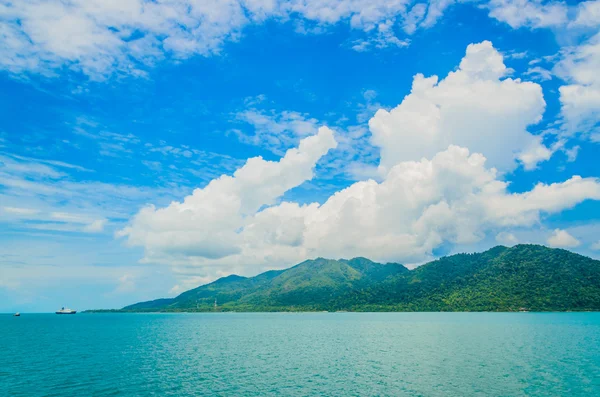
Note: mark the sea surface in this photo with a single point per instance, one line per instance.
(301, 354)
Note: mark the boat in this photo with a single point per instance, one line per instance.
(17, 314)
(66, 311)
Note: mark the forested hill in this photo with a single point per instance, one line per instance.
(532, 277)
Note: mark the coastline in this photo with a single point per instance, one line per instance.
(119, 311)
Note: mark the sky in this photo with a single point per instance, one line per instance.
(148, 147)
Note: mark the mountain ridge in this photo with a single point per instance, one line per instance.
(524, 276)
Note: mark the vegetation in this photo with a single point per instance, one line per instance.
(530, 277)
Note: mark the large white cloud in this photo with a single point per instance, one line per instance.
(452, 198)
(433, 190)
(207, 223)
(474, 107)
(420, 205)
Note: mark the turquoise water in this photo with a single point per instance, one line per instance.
(287, 354)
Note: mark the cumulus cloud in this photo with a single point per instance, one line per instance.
(277, 131)
(426, 196)
(474, 107)
(420, 205)
(452, 198)
(207, 223)
(562, 239)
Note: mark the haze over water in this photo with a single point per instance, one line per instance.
(300, 354)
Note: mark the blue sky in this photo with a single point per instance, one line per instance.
(118, 120)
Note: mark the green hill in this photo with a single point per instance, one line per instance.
(501, 279)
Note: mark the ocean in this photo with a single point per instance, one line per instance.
(301, 354)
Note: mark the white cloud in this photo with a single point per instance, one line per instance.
(539, 73)
(580, 99)
(534, 153)
(171, 165)
(206, 223)
(562, 239)
(425, 14)
(362, 14)
(435, 9)
(153, 165)
(529, 13)
(588, 14)
(507, 238)
(383, 38)
(46, 195)
(596, 245)
(125, 284)
(414, 17)
(452, 198)
(56, 221)
(279, 131)
(101, 37)
(474, 107)
(95, 36)
(96, 226)
(428, 194)
(274, 131)
(517, 55)
(26, 168)
(420, 205)
(21, 211)
(177, 289)
(52, 163)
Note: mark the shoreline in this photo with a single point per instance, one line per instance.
(117, 311)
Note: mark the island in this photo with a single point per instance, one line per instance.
(518, 279)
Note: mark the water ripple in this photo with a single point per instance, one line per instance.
(335, 354)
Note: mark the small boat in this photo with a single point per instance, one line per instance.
(66, 311)
(17, 314)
